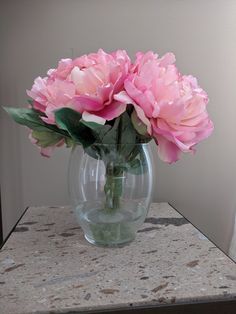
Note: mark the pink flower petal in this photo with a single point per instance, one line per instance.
(38, 106)
(124, 98)
(143, 118)
(114, 110)
(87, 103)
(139, 97)
(168, 58)
(47, 151)
(167, 151)
(105, 93)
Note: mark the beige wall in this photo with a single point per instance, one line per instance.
(36, 34)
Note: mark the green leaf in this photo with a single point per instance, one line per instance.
(30, 101)
(121, 139)
(66, 117)
(137, 166)
(27, 117)
(98, 130)
(31, 118)
(69, 142)
(69, 120)
(127, 135)
(46, 138)
(134, 167)
(93, 151)
(111, 136)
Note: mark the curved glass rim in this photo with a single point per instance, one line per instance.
(109, 144)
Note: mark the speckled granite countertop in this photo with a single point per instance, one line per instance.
(46, 266)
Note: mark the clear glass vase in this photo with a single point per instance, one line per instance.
(110, 188)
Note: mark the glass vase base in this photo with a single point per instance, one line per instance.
(108, 244)
(110, 228)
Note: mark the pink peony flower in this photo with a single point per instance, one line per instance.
(100, 85)
(97, 78)
(51, 94)
(86, 84)
(174, 105)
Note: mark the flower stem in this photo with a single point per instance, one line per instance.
(113, 186)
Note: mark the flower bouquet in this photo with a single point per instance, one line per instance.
(113, 108)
